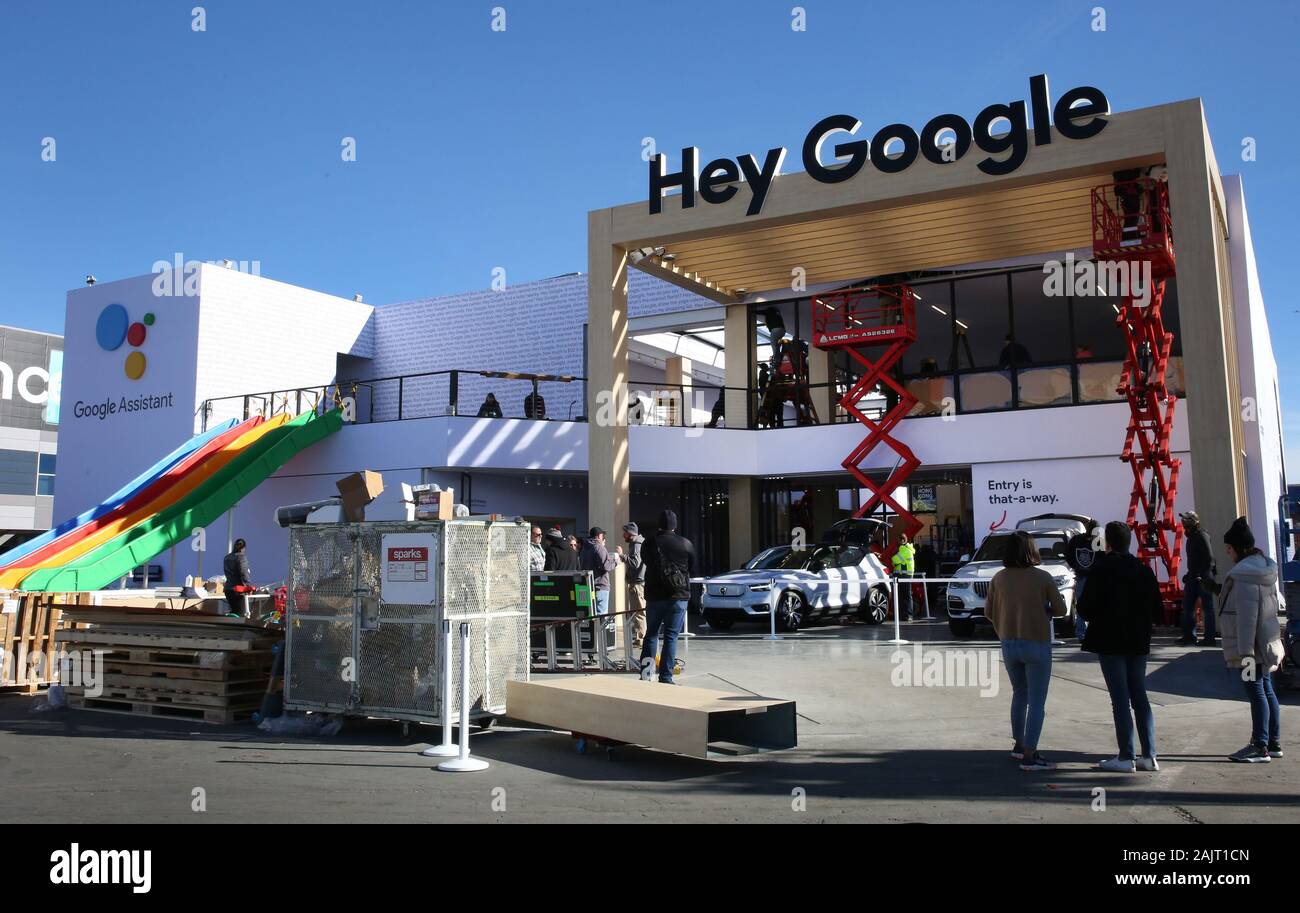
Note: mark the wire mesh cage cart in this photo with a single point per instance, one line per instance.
(368, 605)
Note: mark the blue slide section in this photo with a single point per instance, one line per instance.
(119, 497)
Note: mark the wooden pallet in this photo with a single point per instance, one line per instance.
(31, 629)
(166, 685)
(198, 659)
(148, 640)
(241, 673)
(174, 696)
(194, 713)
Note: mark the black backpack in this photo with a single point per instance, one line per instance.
(670, 577)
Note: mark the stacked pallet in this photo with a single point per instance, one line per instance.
(171, 664)
(28, 624)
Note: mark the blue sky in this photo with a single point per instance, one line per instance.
(479, 149)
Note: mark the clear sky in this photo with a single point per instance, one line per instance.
(478, 149)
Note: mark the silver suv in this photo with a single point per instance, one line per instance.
(1051, 533)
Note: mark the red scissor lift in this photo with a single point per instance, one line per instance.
(879, 319)
(1130, 225)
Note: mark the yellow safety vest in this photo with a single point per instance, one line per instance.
(905, 559)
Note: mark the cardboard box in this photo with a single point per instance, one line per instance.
(358, 490)
(433, 505)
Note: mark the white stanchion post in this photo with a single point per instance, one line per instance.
(771, 616)
(463, 762)
(898, 634)
(447, 748)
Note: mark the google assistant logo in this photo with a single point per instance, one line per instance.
(114, 327)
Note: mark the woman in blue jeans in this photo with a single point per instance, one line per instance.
(1252, 639)
(1022, 601)
(1121, 605)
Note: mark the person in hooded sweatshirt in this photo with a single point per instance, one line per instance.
(1121, 604)
(560, 556)
(1252, 638)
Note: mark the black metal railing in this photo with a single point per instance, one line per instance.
(518, 395)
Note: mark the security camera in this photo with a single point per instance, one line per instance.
(91, 280)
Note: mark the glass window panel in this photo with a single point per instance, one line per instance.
(1045, 386)
(1169, 314)
(934, 347)
(46, 464)
(930, 393)
(991, 390)
(1095, 333)
(45, 485)
(984, 316)
(1098, 380)
(1042, 321)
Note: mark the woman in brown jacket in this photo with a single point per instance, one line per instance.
(1021, 603)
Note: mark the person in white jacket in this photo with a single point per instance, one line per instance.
(1252, 638)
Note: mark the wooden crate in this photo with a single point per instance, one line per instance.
(28, 631)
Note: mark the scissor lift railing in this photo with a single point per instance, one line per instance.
(1131, 225)
(877, 319)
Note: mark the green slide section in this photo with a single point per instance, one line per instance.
(120, 555)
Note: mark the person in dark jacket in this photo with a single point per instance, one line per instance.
(669, 565)
(595, 557)
(1080, 552)
(1121, 604)
(559, 555)
(490, 408)
(1200, 568)
(239, 579)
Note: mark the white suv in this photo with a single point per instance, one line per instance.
(1051, 533)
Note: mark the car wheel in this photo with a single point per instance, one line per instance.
(875, 608)
(961, 627)
(719, 622)
(789, 612)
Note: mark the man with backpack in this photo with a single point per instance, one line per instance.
(670, 563)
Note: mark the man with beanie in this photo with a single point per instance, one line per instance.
(559, 557)
(597, 559)
(635, 583)
(669, 565)
(1200, 567)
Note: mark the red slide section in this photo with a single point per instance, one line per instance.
(51, 549)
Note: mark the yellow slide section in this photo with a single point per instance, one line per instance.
(10, 579)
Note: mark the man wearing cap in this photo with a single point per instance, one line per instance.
(1200, 568)
(597, 559)
(635, 583)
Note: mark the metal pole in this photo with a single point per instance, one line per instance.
(550, 648)
(463, 762)
(898, 638)
(447, 748)
(171, 573)
(576, 628)
(771, 617)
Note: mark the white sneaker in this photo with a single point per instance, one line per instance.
(1118, 766)
(1148, 764)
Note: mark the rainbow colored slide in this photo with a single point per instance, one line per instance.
(217, 470)
(117, 498)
